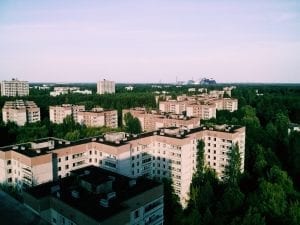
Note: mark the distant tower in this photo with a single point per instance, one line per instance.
(14, 87)
(106, 87)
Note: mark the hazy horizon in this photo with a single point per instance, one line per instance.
(149, 42)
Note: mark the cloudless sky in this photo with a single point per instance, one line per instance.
(150, 40)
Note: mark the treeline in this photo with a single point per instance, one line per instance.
(117, 101)
(268, 190)
(69, 130)
(11, 133)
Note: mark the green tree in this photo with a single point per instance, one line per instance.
(272, 199)
(172, 207)
(200, 157)
(294, 157)
(132, 124)
(293, 214)
(72, 135)
(233, 168)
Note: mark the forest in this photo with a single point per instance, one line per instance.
(267, 192)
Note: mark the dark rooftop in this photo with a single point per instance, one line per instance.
(89, 202)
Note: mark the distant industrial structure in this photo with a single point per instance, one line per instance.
(201, 81)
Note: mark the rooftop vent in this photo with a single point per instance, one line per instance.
(111, 195)
(104, 203)
(55, 188)
(75, 194)
(132, 183)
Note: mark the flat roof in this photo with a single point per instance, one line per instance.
(26, 148)
(88, 202)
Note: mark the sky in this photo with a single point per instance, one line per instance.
(141, 41)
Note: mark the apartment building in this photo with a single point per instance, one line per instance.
(14, 87)
(98, 117)
(151, 121)
(202, 106)
(106, 87)
(20, 112)
(165, 153)
(92, 195)
(202, 111)
(58, 113)
(230, 104)
(173, 106)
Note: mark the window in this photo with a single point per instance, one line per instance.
(59, 159)
(90, 152)
(110, 164)
(215, 158)
(59, 168)
(67, 167)
(9, 171)
(8, 162)
(136, 214)
(66, 158)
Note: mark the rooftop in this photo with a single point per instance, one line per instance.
(47, 145)
(83, 191)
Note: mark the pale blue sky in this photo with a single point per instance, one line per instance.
(150, 41)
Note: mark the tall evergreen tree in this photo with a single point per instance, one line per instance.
(233, 169)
